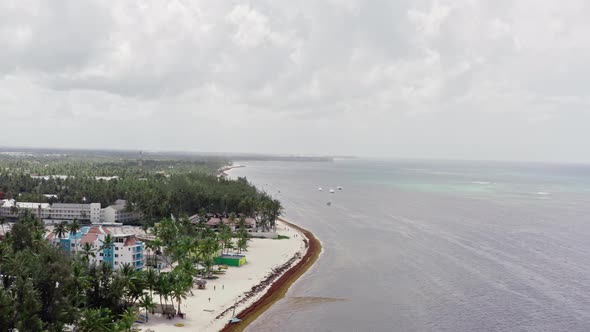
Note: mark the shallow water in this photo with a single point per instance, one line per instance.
(435, 246)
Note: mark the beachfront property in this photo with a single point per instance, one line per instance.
(127, 247)
(57, 212)
(214, 222)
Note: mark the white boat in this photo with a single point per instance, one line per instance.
(339, 188)
(320, 189)
(332, 191)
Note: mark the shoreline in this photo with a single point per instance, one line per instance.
(210, 309)
(223, 171)
(279, 287)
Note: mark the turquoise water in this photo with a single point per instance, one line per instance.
(435, 246)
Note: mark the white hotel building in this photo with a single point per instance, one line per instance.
(127, 248)
(57, 212)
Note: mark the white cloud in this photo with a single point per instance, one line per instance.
(406, 78)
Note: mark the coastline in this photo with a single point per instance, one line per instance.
(224, 170)
(245, 287)
(279, 288)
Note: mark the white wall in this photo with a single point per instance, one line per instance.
(95, 212)
(109, 214)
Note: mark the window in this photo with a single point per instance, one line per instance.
(101, 254)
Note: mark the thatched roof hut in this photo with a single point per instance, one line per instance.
(201, 283)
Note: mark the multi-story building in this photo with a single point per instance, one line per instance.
(66, 211)
(116, 213)
(10, 208)
(127, 248)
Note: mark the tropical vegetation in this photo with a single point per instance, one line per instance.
(43, 288)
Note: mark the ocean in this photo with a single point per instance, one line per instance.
(435, 245)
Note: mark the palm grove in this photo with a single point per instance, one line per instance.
(43, 289)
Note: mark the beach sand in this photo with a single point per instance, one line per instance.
(281, 285)
(264, 256)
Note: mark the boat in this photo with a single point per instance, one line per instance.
(329, 203)
(332, 191)
(320, 189)
(339, 188)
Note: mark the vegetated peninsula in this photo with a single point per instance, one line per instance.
(97, 241)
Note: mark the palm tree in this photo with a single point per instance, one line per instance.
(99, 320)
(60, 230)
(164, 288)
(243, 239)
(207, 249)
(27, 305)
(145, 227)
(132, 282)
(147, 302)
(87, 252)
(127, 320)
(108, 243)
(151, 278)
(7, 313)
(82, 283)
(74, 229)
(225, 235)
(179, 288)
(156, 245)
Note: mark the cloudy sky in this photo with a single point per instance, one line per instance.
(497, 79)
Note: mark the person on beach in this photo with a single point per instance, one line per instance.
(213, 287)
(209, 300)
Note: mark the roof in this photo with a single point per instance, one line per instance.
(8, 203)
(117, 207)
(89, 238)
(70, 206)
(47, 177)
(106, 178)
(31, 205)
(130, 241)
(213, 222)
(125, 230)
(23, 205)
(98, 230)
(227, 221)
(194, 218)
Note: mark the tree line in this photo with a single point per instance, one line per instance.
(157, 189)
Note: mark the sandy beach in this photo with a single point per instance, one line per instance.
(210, 309)
(281, 285)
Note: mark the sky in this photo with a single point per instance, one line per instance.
(498, 79)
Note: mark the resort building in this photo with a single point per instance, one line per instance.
(57, 212)
(118, 213)
(127, 248)
(215, 222)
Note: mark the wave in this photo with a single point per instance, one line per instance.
(481, 182)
